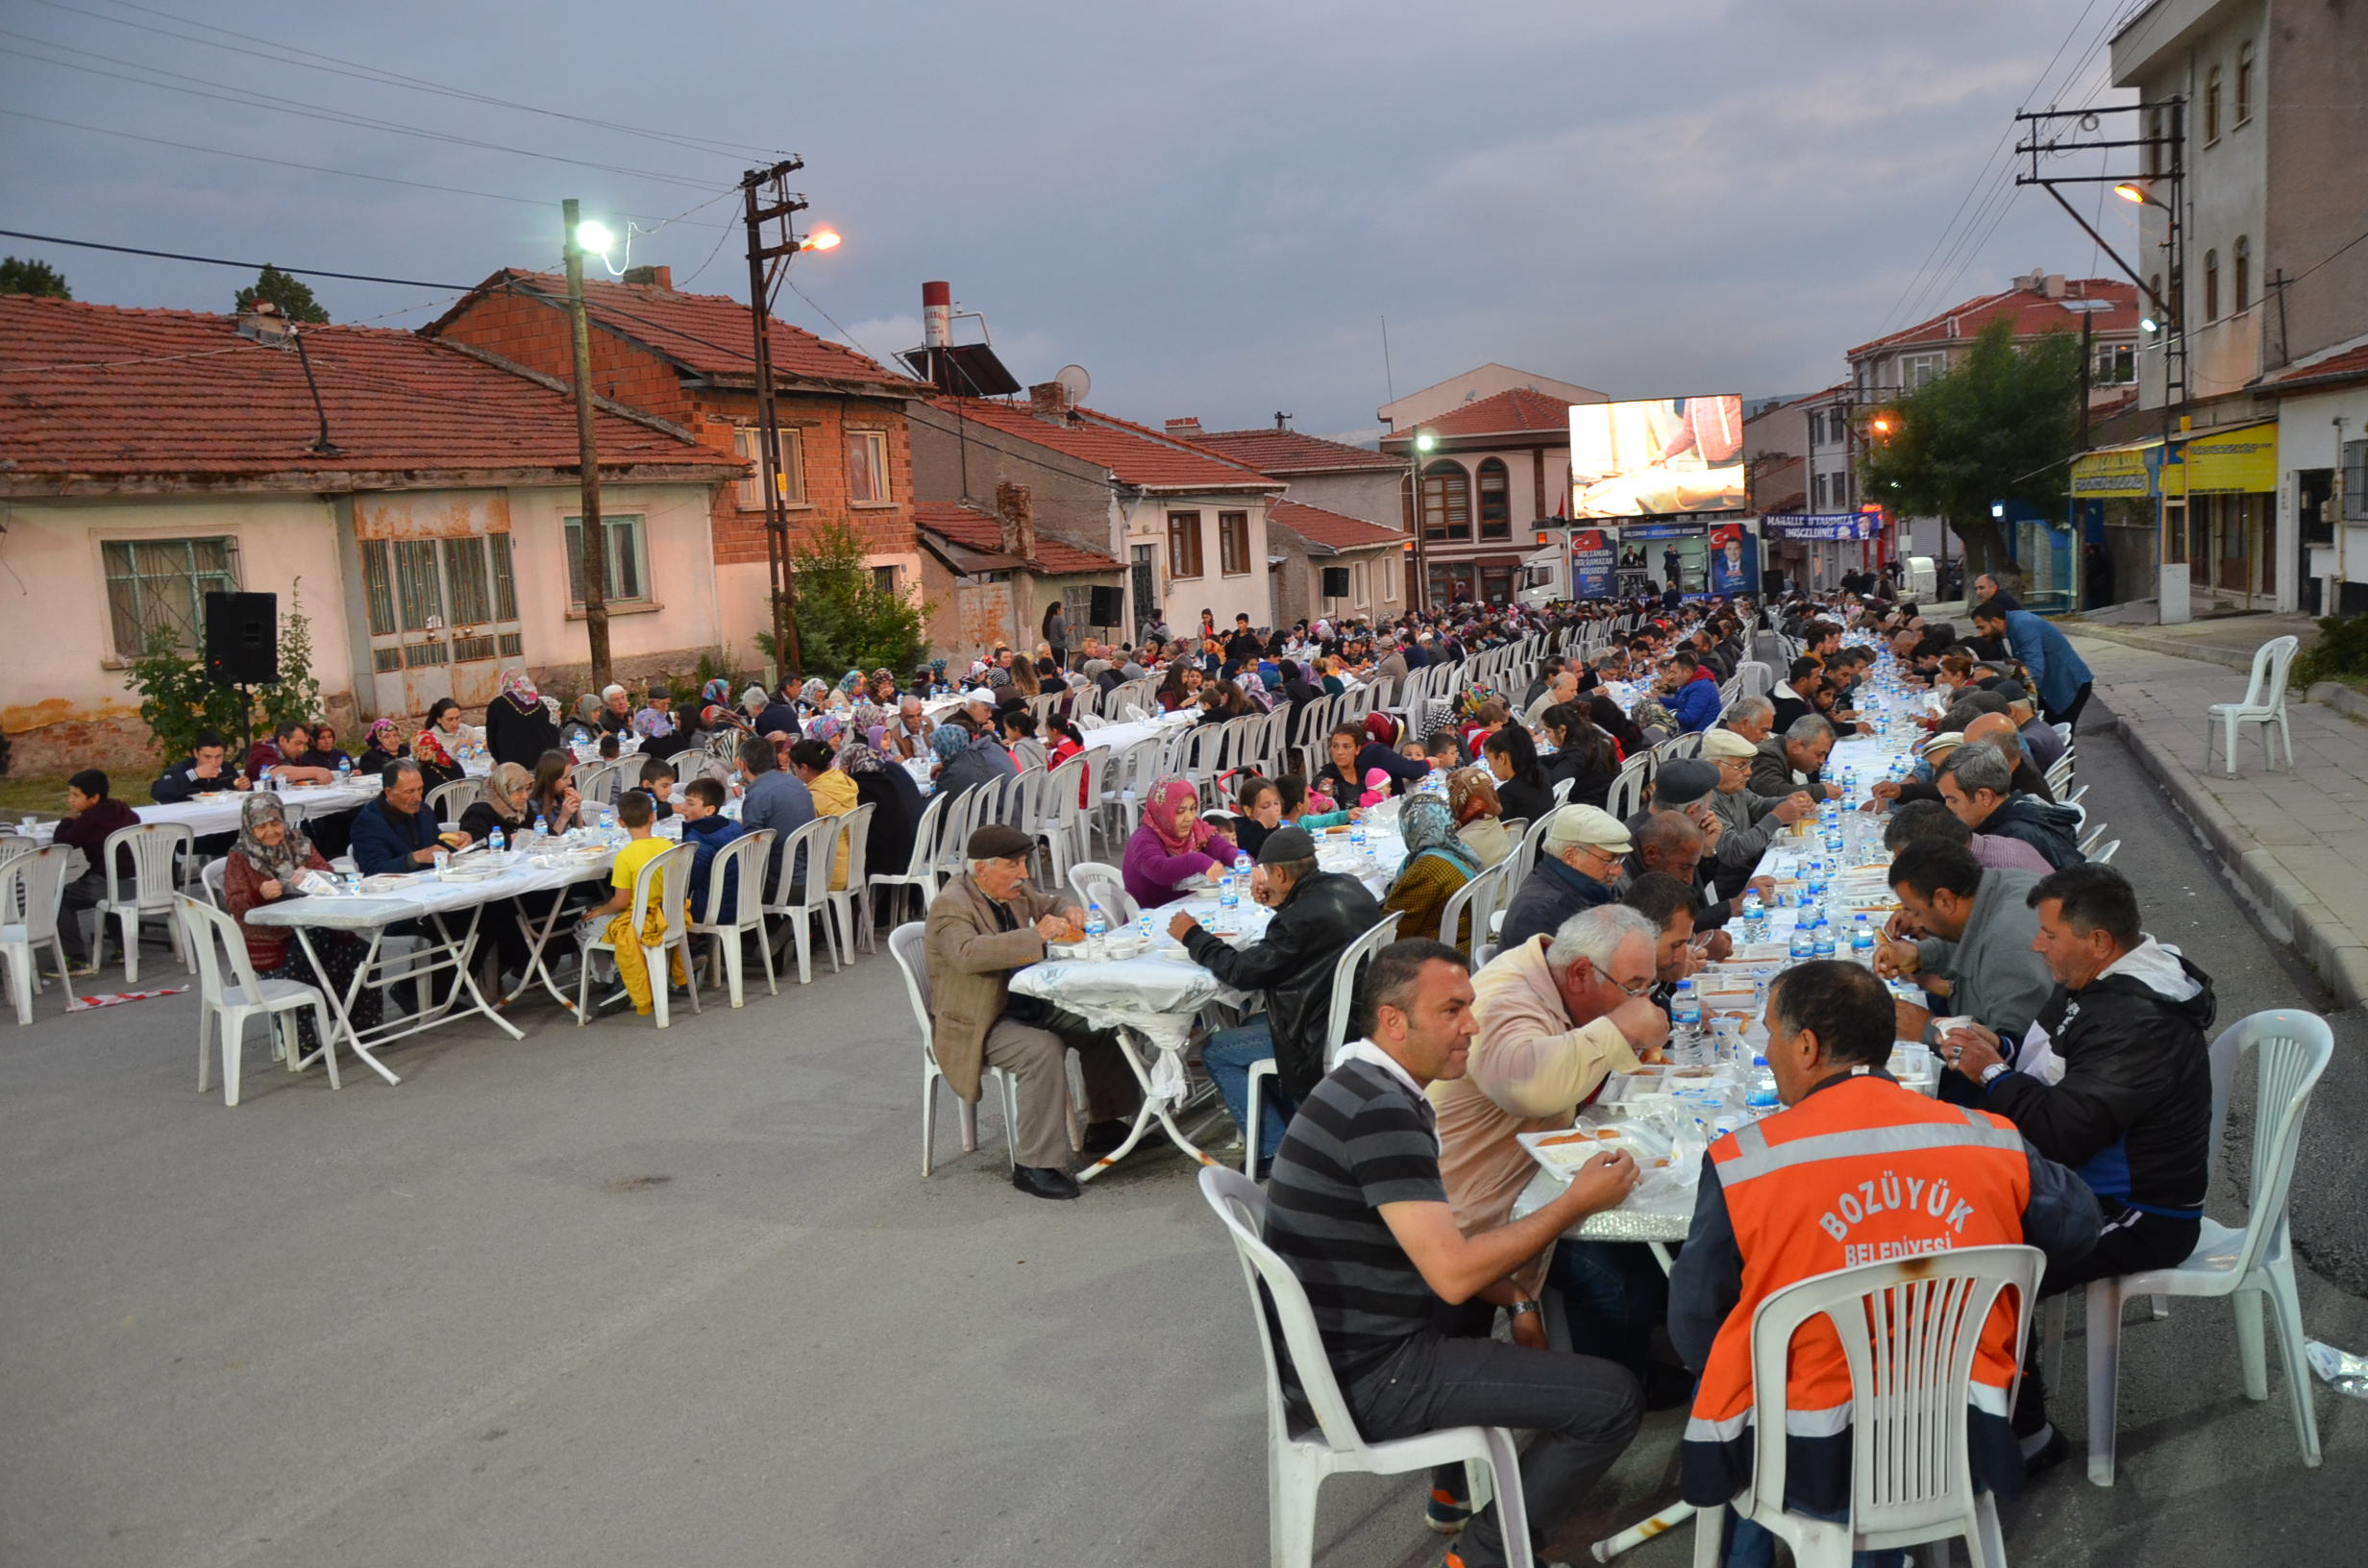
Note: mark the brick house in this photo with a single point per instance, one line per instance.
(422, 507)
(988, 575)
(687, 359)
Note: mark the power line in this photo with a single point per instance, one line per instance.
(320, 168)
(371, 73)
(246, 98)
(221, 261)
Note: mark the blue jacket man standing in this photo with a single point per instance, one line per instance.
(2060, 675)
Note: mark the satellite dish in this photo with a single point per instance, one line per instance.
(1074, 383)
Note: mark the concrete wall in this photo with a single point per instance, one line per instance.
(682, 618)
(957, 460)
(1485, 382)
(1378, 498)
(1145, 523)
(2317, 142)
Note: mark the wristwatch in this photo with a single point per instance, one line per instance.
(1522, 1309)
(1992, 1071)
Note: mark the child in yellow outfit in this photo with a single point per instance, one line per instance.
(612, 921)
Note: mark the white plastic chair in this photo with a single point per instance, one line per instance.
(1346, 968)
(1909, 1330)
(1095, 883)
(2293, 1048)
(1298, 1459)
(1562, 791)
(802, 905)
(2264, 704)
(215, 940)
(447, 801)
(1626, 795)
(908, 946)
(674, 870)
(852, 923)
(153, 846)
(1058, 815)
(2103, 855)
(741, 863)
(920, 867)
(211, 881)
(31, 885)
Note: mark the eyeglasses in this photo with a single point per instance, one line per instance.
(1637, 990)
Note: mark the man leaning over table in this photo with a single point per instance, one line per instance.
(1976, 954)
(394, 833)
(1316, 914)
(1358, 1207)
(1767, 1217)
(2112, 1078)
(984, 926)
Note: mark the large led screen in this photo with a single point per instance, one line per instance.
(1657, 456)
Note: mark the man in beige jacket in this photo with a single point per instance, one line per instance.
(1557, 1016)
(986, 924)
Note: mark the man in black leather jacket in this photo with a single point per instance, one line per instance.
(1316, 914)
(2113, 1080)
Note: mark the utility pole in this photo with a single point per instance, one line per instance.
(591, 532)
(788, 656)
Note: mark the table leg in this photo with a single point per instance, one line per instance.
(1668, 1518)
(1154, 1107)
(342, 1003)
(539, 944)
(464, 979)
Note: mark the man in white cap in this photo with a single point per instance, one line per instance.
(1578, 860)
(976, 714)
(1751, 818)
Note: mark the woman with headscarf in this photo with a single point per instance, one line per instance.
(381, 744)
(1437, 864)
(1479, 815)
(583, 726)
(1173, 848)
(506, 805)
(894, 800)
(883, 688)
(438, 763)
(265, 861)
(518, 728)
(655, 722)
(974, 760)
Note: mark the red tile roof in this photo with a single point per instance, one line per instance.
(2341, 365)
(1287, 452)
(973, 529)
(1519, 411)
(1133, 454)
(2031, 312)
(94, 389)
(707, 335)
(1319, 526)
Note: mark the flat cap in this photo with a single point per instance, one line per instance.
(1589, 825)
(1683, 782)
(998, 841)
(1723, 742)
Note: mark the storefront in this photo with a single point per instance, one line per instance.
(2209, 501)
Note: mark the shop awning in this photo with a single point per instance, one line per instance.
(2124, 470)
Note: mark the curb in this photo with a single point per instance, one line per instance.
(2342, 698)
(2338, 952)
(2150, 640)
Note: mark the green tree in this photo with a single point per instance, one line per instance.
(176, 699)
(33, 278)
(846, 621)
(290, 294)
(2000, 426)
(296, 694)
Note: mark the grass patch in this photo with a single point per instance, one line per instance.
(31, 794)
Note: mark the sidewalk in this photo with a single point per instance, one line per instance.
(2225, 639)
(2297, 841)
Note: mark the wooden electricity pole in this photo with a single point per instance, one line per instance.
(591, 532)
(788, 656)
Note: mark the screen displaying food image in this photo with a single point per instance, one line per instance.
(1657, 456)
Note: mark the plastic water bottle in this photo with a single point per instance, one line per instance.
(1760, 1088)
(1143, 927)
(1096, 927)
(1356, 837)
(1821, 938)
(1686, 1025)
(345, 769)
(1241, 864)
(496, 842)
(1863, 941)
(542, 829)
(1228, 893)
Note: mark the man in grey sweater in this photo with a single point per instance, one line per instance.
(1751, 817)
(1976, 950)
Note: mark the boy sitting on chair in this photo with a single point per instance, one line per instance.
(612, 921)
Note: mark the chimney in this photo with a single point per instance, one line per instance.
(263, 323)
(936, 315)
(1048, 400)
(661, 279)
(2054, 286)
(1187, 429)
(1015, 519)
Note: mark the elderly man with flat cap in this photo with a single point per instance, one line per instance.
(1578, 860)
(987, 924)
(1748, 819)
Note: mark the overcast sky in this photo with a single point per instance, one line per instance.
(1211, 207)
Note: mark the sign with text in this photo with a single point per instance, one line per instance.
(1734, 559)
(1849, 526)
(1593, 558)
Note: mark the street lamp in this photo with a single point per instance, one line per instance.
(592, 234)
(821, 239)
(1418, 593)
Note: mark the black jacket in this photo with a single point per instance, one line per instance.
(180, 781)
(2132, 1114)
(1293, 965)
(1771, 772)
(2047, 829)
(1523, 800)
(1590, 779)
(1550, 894)
(519, 735)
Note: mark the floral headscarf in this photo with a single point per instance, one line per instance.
(717, 692)
(867, 717)
(508, 786)
(860, 760)
(1475, 698)
(1159, 816)
(997, 678)
(782, 740)
(283, 861)
(654, 725)
(824, 729)
(851, 682)
(1471, 793)
(1428, 827)
(716, 717)
(815, 690)
(428, 746)
(948, 742)
(520, 689)
(383, 736)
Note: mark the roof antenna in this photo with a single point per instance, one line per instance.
(321, 445)
(1282, 420)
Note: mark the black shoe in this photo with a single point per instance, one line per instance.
(1044, 1182)
(1101, 1137)
(2051, 1453)
(1667, 1387)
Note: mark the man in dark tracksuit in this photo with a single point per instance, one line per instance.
(2113, 1080)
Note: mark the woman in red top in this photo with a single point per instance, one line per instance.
(270, 854)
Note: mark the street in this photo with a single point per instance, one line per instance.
(613, 1296)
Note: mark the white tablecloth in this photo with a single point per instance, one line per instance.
(206, 817)
(425, 894)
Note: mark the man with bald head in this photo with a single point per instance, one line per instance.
(1999, 729)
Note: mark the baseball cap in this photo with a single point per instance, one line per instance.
(1721, 744)
(979, 693)
(1588, 826)
(997, 841)
(1286, 843)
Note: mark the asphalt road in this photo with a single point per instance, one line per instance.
(609, 1296)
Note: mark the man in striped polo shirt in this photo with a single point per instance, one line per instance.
(1357, 1207)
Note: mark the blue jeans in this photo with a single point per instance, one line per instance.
(1615, 1293)
(1229, 1056)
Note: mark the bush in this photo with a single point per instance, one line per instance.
(845, 620)
(177, 702)
(2342, 650)
(297, 695)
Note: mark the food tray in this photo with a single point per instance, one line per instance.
(1563, 1150)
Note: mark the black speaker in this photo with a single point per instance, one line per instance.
(1108, 607)
(1336, 582)
(1771, 583)
(242, 638)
